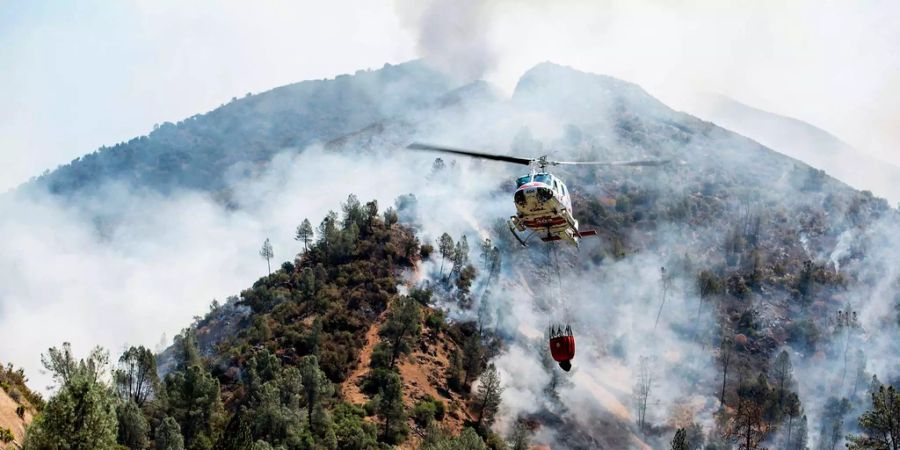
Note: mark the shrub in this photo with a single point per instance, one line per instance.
(435, 320)
(20, 411)
(427, 411)
(423, 413)
(803, 333)
(6, 435)
(15, 395)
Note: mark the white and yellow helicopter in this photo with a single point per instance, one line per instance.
(543, 203)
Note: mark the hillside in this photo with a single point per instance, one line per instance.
(805, 142)
(738, 294)
(209, 151)
(18, 405)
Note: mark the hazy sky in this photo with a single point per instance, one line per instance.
(77, 75)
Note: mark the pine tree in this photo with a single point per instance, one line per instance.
(315, 385)
(305, 234)
(136, 376)
(82, 413)
(783, 379)
(133, 427)
(353, 211)
(679, 442)
(488, 396)
(446, 247)
(168, 435)
(799, 439)
(881, 423)
(267, 253)
(187, 354)
(521, 437)
(390, 410)
(193, 401)
(486, 253)
(402, 327)
(473, 358)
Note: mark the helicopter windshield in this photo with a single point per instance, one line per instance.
(545, 178)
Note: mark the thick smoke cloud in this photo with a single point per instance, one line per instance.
(801, 60)
(68, 275)
(453, 35)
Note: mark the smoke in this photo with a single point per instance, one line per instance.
(800, 60)
(454, 36)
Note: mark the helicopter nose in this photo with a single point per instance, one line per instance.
(520, 198)
(544, 194)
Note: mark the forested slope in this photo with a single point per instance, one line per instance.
(735, 297)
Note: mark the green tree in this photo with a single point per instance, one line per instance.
(679, 442)
(793, 409)
(267, 253)
(831, 426)
(351, 431)
(799, 439)
(748, 426)
(881, 424)
(454, 372)
(193, 401)
(486, 253)
(694, 437)
(390, 217)
(460, 256)
(447, 249)
(782, 374)
(315, 385)
(187, 353)
(168, 435)
(402, 327)
(261, 445)
(328, 231)
(305, 234)
(353, 212)
(390, 410)
(133, 430)
(488, 396)
(136, 377)
(473, 358)
(437, 439)
(520, 438)
(81, 416)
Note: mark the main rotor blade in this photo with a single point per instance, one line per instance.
(643, 162)
(459, 151)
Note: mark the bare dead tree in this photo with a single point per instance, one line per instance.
(666, 281)
(725, 357)
(643, 385)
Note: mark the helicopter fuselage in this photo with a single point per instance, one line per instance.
(543, 205)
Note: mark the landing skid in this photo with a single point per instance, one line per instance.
(512, 229)
(572, 234)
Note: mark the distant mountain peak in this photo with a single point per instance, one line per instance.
(565, 89)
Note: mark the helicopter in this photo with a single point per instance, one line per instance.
(543, 203)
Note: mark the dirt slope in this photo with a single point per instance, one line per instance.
(9, 419)
(422, 373)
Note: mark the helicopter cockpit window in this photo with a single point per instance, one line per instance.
(522, 180)
(543, 178)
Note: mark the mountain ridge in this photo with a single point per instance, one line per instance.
(748, 251)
